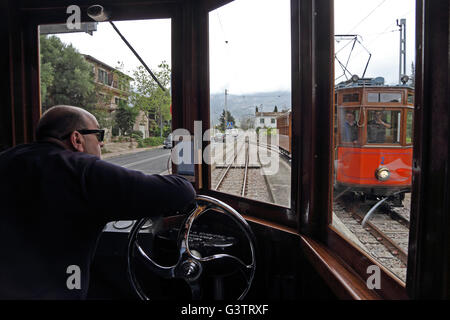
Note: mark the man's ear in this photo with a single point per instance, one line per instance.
(76, 140)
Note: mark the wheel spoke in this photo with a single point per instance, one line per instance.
(190, 266)
(162, 271)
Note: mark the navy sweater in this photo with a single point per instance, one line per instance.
(54, 204)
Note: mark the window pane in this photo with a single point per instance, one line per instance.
(373, 97)
(351, 97)
(87, 71)
(390, 97)
(250, 74)
(383, 126)
(409, 127)
(410, 98)
(348, 122)
(372, 175)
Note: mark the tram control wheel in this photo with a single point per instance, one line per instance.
(190, 266)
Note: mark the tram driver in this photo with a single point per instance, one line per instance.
(57, 195)
(349, 131)
(377, 128)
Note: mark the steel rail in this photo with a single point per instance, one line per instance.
(389, 243)
(226, 171)
(244, 182)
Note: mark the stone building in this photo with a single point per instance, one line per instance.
(266, 119)
(112, 87)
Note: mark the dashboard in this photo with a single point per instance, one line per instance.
(209, 236)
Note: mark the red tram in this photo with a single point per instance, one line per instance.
(284, 126)
(373, 146)
(373, 137)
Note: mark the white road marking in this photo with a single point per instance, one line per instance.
(145, 160)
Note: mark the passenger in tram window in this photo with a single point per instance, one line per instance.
(349, 130)
(57, 195)
(376, 128)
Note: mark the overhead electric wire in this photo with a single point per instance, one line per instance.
(370, 13)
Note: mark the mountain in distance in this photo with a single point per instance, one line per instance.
(245, 104)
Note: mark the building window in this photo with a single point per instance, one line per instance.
(261, 120)
(103, 76)
(272, 121)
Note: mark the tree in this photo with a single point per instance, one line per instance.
(413, 74)
(125, 117)
(275, 109)
(66, 78)
(223, 120)
(150, 98)
(247, 122)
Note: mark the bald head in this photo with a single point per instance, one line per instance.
(61, 120)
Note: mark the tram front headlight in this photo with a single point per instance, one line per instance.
(382, 174)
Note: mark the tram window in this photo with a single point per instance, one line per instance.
(390, 97)
(350, 97)
(383, 126)
(409, 127)
(410, 98)
(373, 97)
(98, 72)
(384, 97)
(372, 180)
(250, 93)
(349, 125)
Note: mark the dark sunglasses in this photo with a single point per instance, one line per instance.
(100, 133)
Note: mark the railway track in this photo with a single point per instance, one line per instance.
(243, 178)
(233, 173)
(385, 236)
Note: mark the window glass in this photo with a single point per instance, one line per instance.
(383, 126)
(94, 69)
(372, 179)
(409, 127)
(373, 97)
(350, 97)
(390, 97)
(410, 98)
(348, 124)
(250, 82)
(384, 97)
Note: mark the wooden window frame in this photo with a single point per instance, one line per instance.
(312, 105)
(315, 78)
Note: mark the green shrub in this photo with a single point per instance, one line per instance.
(137, 133)
(150, 142)
(136, 136)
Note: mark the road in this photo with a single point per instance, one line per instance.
(152, 161)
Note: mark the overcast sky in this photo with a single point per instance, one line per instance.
(250, 42)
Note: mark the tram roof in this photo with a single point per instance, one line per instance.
(377, 82)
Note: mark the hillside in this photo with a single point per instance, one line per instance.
(241, 105)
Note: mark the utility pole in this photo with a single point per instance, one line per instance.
(402, 57)
(226, 113)
(160, 122)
